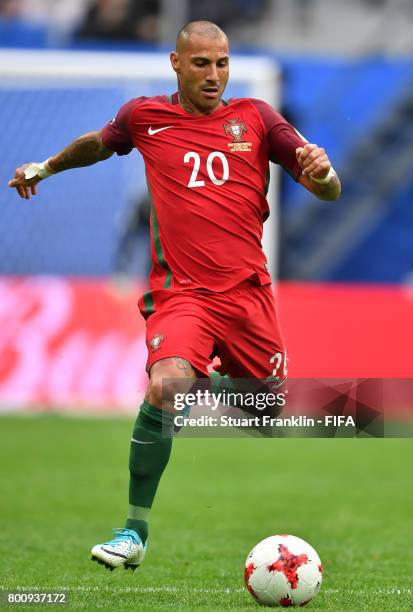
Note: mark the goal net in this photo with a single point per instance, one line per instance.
(47, 98)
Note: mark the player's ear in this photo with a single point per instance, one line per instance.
(174, 57)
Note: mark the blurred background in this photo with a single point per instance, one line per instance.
(74, 260)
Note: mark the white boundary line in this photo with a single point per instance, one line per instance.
(178, 590)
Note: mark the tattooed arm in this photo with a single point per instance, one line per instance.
(86, 150)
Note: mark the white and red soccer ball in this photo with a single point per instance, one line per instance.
(283, 570)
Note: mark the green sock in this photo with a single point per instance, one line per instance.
(149, 454)
(226, 383)
(221, 383)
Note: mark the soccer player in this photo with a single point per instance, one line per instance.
(206, 162)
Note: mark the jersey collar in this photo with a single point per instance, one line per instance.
(174, 99)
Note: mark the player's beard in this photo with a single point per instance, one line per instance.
(199, 102)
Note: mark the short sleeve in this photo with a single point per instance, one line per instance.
(116, 135)
(282, 138)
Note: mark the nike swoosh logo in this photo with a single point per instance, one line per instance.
(151, 132)
(140, 441)
(115, 554)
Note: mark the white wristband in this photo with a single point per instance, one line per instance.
(42, 170)
(326, 179)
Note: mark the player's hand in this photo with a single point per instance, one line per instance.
(24, 187)
(313, 161)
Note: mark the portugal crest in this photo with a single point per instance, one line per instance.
(156, 342)
(236, 128)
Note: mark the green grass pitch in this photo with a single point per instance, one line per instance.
(64, 485)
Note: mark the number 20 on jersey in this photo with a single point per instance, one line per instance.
(195, 158)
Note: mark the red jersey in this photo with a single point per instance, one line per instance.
(208, 177)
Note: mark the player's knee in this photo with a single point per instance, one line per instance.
(167, 378)
(154, 394)
(162, 390)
